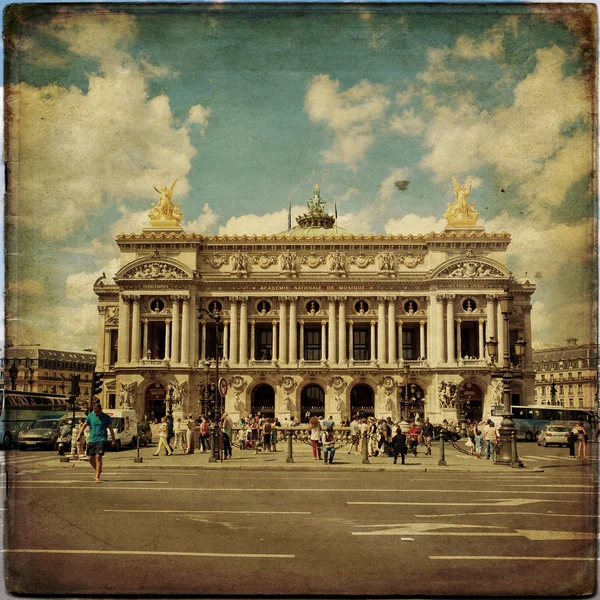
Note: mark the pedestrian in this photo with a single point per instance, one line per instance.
(191, 425)
(490, 437)
(372, 423)
(315, 437)
(170, 430)
(98, 422)
(204, 434)
(404, 426)
(79, 441)
(583, 438)
(413, 438)
(274, 436)
(266, 433)
(226, 427)
(327, 440)
(241, 437)
(427, 435)
(399, 445)
(354, 434)
(162, 438)
(177, 431)
(477, 439)
(363, 428)
(571, 439)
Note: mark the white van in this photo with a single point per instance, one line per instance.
(124, 422)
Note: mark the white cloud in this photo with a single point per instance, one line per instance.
(269, 224)
(408, 124)
(73, 151)
(414, 224)
(387, 188)
(204, 224)
(198, 115)
(79, 286)
(349, 114)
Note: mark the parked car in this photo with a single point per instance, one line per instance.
(42, 434)
(553, 434)
(144, 433)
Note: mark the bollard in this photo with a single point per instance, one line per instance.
(442, 461)
(515, 462)
(138, 458)
(213, 444)
(365, 458)
(290, 458)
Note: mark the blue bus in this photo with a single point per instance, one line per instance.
(529, 420)
(21, 409)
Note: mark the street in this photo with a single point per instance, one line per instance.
(163, 531)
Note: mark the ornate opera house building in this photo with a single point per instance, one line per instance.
(314, 320)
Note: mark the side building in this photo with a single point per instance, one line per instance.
(314, 320)
(567, 375)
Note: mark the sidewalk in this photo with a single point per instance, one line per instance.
(304, 461)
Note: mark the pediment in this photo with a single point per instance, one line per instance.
(471, 268)
(154, 269)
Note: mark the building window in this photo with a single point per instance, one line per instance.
(561, 389)
(571, 403)
(312, 343)
(570, 376)
(409, 344)
(361, 343)
(264, 342)
(543, 377)
(560, 376)
(579, 375)
(543, 390)
(580, 402)
(579, 388)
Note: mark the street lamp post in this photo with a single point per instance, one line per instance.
(406, 375)
(216, 452)
(506, 373)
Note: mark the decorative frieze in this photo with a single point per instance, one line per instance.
(155, 270)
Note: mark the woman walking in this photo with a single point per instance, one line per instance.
(162, 438)
(315, 437)
(583, 438)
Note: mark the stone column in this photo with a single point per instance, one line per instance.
(422, 350)
(243, 332)
(124, 340)
(203, 341)
(381, 357)
(400, 348)
(342, 332)
(491, 318)
(302, 341)
(252, 340)
(481, 344)
(101, 338)
(185, 331)
(175, 336)
(106, 361)
(451, 349)
(293, 350)
(234, 347)
(373, 354)
(351, 342)
(392, 345)
(167, 339)
(458, 339)
(323, 341)
(282, 330)
(501, 335)
(331, 357)
(274, 342)
(430, 327)
(145, 348)
(194, 327)
(439, 325)
(135, 330)
(227, 349)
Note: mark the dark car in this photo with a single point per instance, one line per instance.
(144, 433)
(42, 434)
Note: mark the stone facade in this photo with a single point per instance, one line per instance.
(315, 320)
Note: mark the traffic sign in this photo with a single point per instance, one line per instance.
(223, 386)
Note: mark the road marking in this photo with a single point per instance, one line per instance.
(236, 512)
(496, 514)
(548, 458)
(569, 558)
(320, 490)
(87, 477)
(144, 553)
(543, 535)
(499, 502)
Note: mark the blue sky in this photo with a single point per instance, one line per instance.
(249, 106)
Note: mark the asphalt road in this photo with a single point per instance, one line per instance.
(164, 532)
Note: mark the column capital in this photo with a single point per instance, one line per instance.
(490, 297)
(458, 321)
(175, 297)
(332, 299)
(243, 299)
(422, 322)
(301, 321)
(440, 298)
(381, 299)
(373, 323)
(253, 322)
(282, 299)
(101, 309)
(400, 322)
(526, 308)
(482, 321)
(323, 323)
(342, 298)
(392, 298)
(233, 299)
(145, 321)
(225, 322)
(126, 296)
(274, 322)
(293, 298)
(186, 299)
(351, 322)
(167, 321)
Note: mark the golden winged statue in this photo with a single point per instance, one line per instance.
(165, 209)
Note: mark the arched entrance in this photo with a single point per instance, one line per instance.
(473, 402)
(362, 400)
(312, 402)
(155, 406)
(263, 401)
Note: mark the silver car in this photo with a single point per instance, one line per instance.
(42, 434)
(553, 434)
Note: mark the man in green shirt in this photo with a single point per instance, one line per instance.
(99, 423)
